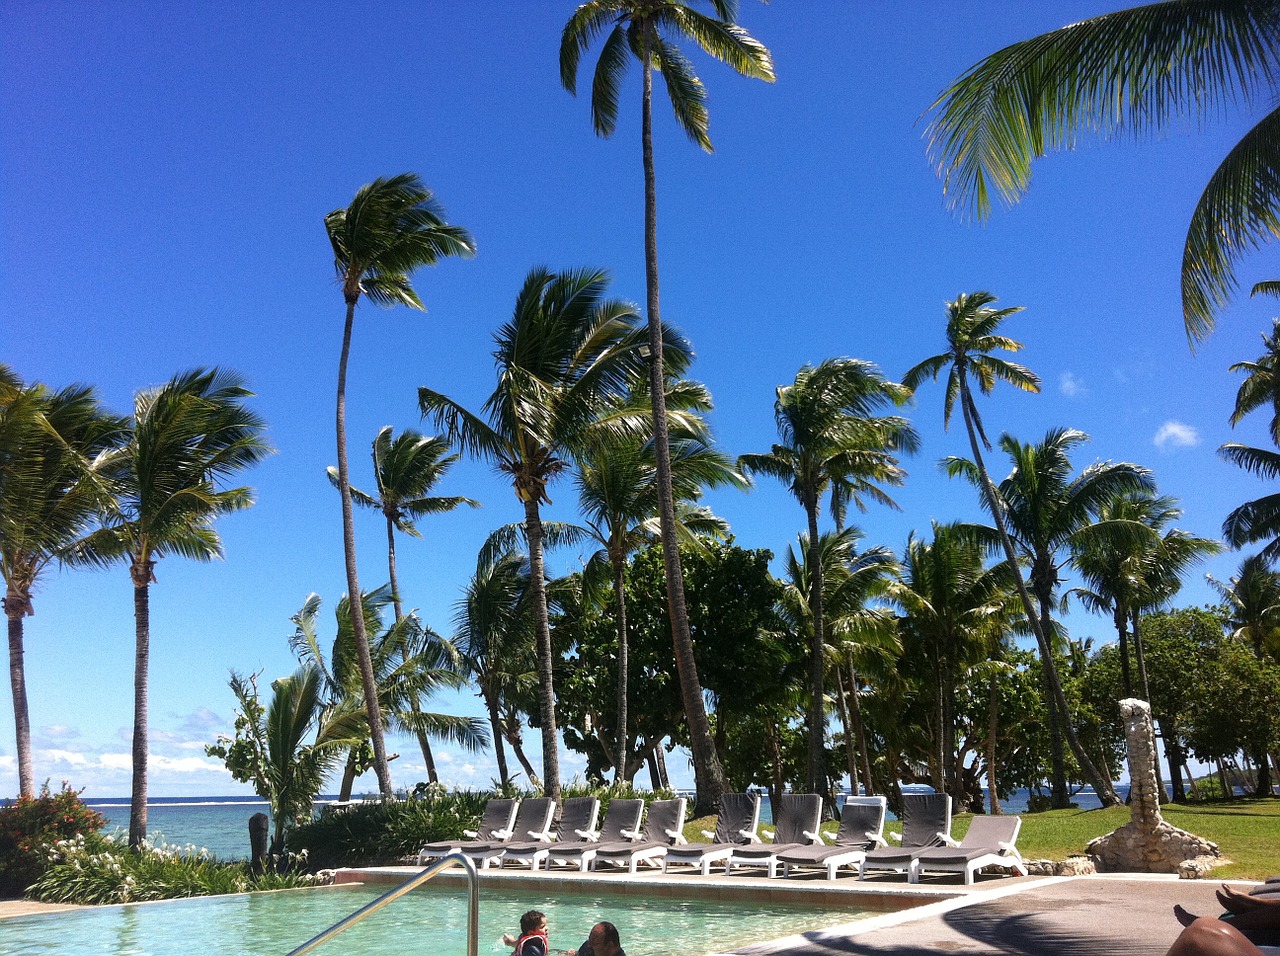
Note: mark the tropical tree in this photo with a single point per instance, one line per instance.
(972, 335)
(832, 441)
(618, 497)
(650, 31)
(411, 663)
(1048, 511)
(851, 630)
(405, 469)
(187, 437)
(1252, 601)
(392, 227)
(1128, 575)
(960, 610)
(494, 629)
(287, 749)
(50, 492)
(565, 353)
(1132, 72)
(1257, 520)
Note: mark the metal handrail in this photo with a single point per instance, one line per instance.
(473, 904)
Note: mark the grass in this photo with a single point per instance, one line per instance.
(1247, 832)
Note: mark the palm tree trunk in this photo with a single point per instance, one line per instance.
(993, 730)
(620, 600)
(1102, 787)
(348, 777)
(660, 758)
(855, 711)
(816, 775)
(15, 607)
(354, 594)
(140, 572)
(707, 773)
(495, 730)
(1121, 617)
(424, 743)
(546, 685)
(850, 748)
(518, 750)
(1056, 717)
(1140, 654)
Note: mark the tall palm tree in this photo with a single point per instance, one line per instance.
(405, 469)
(392, 227)
(851, 630)
(650, 30)
(833, 442)
(618, 497)
(494, 629)
(959, 608)
(1048, 511)
(972, 335)
(1125, 576)
(1133, 72)
(186, 439)
(1257, 520)
(1252, 598)
(410, 660)
(565, 353)
(50, 493)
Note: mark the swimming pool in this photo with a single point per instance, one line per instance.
(426, 921)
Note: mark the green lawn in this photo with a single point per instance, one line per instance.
(1247, 831)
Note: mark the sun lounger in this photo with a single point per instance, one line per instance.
(577, 826)
(661, 832)
(990, 841)
(495, 824)
(861, 829)
(926, 822)
(621, 825)
(735, 827)
(798, 816)
(533, 821)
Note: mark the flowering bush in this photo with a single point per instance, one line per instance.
(29, 826)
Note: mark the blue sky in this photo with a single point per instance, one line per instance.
(167, 169)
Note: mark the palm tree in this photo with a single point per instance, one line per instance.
(49, 495)
(1127, 575)
(392, 227)
(618, 497)
(1134, 72)
(405, 469)
(851, 630)
(972, 335)
(1048, 512)
(494, 630)
(411, 663)
(958, 608)
(1257, 520)
(832, 441)
(186, 438)
(1252, 599)
(649, 30)
(565, 353)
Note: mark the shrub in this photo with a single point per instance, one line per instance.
(29, 826)
(96, 869)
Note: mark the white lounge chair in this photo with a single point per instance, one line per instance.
(990, 841)
(798, 816)
(861, 829)
(621, 824)
(662, 832)
(926, 822)
(495, 824)
(533, 820)
(577, 824)
(736, 825)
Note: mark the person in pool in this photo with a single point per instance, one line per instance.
(603, 941)
(532, 940)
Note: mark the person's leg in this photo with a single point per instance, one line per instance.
(1212, 937)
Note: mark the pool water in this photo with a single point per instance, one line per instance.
(426, 921)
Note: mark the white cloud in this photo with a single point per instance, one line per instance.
(183, 764)
(116, 761)
(1177, 435)
(69, 757)
(1071, 386)
(60, 732)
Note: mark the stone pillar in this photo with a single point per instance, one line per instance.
(1147, 844)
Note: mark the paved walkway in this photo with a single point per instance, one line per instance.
(24, 908)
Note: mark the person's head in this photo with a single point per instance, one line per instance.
(604, 940)
(532, 921)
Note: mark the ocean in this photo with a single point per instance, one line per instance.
(221, 824)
